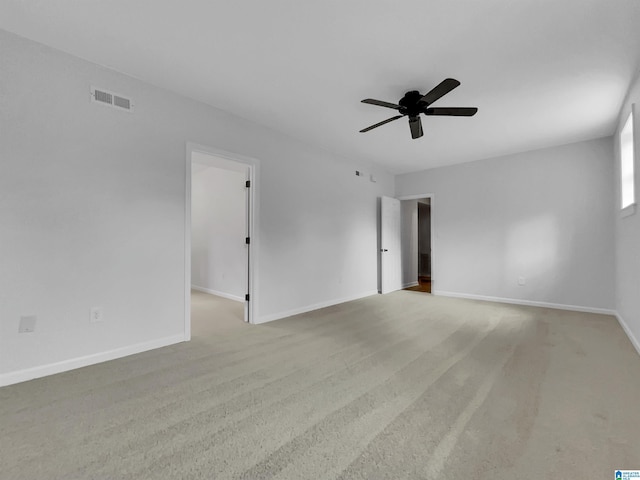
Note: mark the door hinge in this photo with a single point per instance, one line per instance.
(248, 184)
(247, 240)
(246, 297)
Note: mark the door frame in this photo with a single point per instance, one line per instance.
(253, 165)
(431, 196)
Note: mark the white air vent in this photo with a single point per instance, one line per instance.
(122, 102)
(111, 99)
(103, 97)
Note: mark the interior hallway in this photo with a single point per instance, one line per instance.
(424, 285)
(213, 315)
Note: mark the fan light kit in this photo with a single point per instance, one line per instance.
(414, 103)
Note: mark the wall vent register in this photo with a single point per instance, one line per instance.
(110, 99)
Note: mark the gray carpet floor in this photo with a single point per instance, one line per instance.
(401, 386)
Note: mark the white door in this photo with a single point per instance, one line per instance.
(390, 245)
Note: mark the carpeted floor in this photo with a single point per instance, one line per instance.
(401, 386)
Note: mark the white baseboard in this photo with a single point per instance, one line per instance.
(627, 330)
(309, 308)
(218, 293)
(410, 284)
(531, 303)
(73, 363)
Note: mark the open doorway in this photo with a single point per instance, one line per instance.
(218, 237)
(416, 243)
(424, 245)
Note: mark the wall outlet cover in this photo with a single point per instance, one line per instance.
(97, 314)
(27, 324)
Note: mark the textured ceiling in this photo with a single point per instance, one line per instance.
(541, 72)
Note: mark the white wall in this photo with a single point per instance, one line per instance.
(409, 239)
(218, 231)
(92, 213)
(544, 215)
(627, 231)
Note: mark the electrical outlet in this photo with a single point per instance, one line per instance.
(97, 314)
(521, 281)
(27, 324)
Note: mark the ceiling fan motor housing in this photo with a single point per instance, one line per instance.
(409, 104)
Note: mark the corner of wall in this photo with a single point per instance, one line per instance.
(634, 341)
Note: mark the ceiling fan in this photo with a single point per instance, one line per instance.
(414, 103)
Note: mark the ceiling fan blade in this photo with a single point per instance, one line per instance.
(416, 127)
(381, 123)
(452, 111)
(380, 103)
(440, 90)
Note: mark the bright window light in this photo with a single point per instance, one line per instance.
(626, 162)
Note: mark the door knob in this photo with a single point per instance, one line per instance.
(384, 250)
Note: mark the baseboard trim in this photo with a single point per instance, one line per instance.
(530, 303)
(410, 284)
(627, 330)
(218, 293)
(73, 363)
(309, 308)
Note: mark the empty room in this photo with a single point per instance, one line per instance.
(319, 240)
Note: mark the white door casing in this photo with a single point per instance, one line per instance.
(251, 306)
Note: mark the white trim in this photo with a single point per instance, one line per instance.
(218, 293)
(187, 243)
(73, 363)
(309, 308)
(531, 303)
(251, 307)
(630, 117)
(627, 330)
(628, 210)
(434, 241)
(410, 284)
(416, 196)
